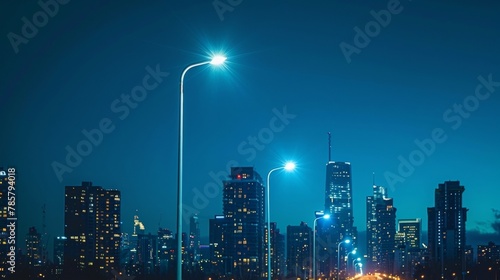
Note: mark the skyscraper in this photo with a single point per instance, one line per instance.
(299, 250)
(217, 245)
(338, 204)
(194, 240)
(58, 255)
(277, 251)
(380, 231)
(407, 242)
(92, 228)
(243, 207)
(446, 226)
(412, 229)
(166, 250)
(33, 248)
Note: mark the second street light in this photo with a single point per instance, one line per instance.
(322, 216)
(289, 166)
(216, 60)
(347, 241)
(347, 260)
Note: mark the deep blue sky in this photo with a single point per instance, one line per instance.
(280, 54)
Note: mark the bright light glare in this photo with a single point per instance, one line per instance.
(289, 166)
(218, 60)
(327, 216)
(358, 259)
(347, 241)
(354, 252)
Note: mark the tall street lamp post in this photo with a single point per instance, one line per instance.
(216, 60)
(289, 166)
(347, 241)
(353, 252)
(322, 216)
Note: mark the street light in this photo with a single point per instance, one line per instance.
(347, 260)
(355, 260)
(216, 60)
(360, 268)
(324, 216)
(289, 166)
(347, 241)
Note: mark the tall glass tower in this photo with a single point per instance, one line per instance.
(446, 225)
(338, 203)
(243, 207)
(380, 231)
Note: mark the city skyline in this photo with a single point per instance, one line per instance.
(286, 85)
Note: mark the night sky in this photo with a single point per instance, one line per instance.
(295, 71)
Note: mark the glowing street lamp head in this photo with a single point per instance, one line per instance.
(347, 241)
(289, 166)
(358, 259)
(354, 252)
(218, 60)
(326, 216)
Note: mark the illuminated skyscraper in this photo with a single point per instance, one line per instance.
(217, 245)
(299, 241)
(243, 207)
(380, 231)
(338, 203)
(407, 242)
(166, 250)
(412, 229)
(277, 251)
(58, 255)
(92, 228)
(194, 240)
(33, 248)
(446, 225)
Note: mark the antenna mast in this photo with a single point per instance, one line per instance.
(329, 146)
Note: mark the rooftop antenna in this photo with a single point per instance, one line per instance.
(374, 178)
(45, 239)
(329, 146)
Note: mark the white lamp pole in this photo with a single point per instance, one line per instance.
(216, 60)
(324, 216)
(289, 167)
(347, 241)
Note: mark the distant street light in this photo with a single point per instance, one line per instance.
(216, 60)
(289, 166)
(347, 241)
(323, 216)
(354, 265)
(360, 268)
(347, 260)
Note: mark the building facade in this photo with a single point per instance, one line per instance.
(340, 226)
(380, 231)
(446, 226)
(92, 229)
(243, 207)
(299, 241)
